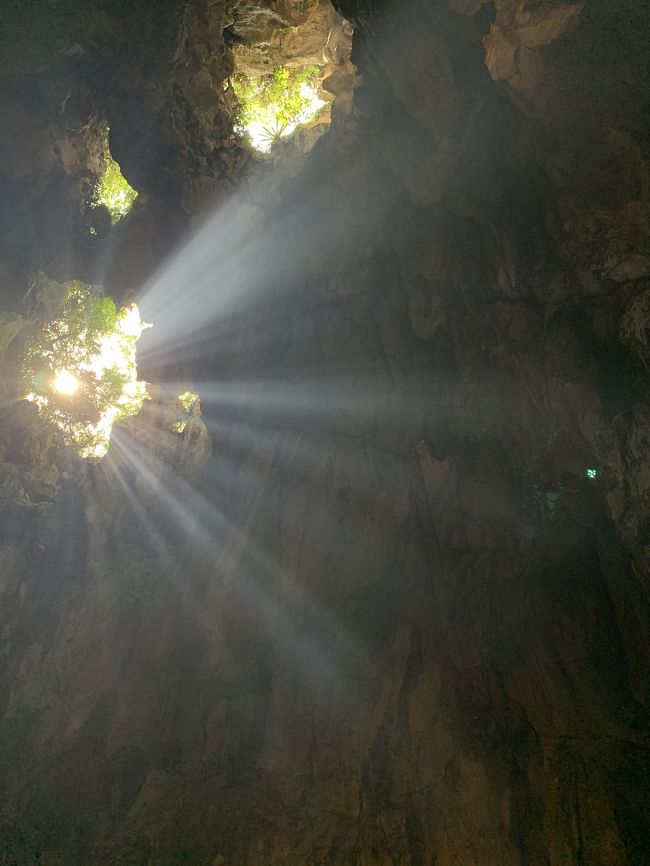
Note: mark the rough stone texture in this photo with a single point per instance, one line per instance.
(388, 619)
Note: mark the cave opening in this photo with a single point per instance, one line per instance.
(113, 196)
(282, 62)
(273, 106)
(80, 368)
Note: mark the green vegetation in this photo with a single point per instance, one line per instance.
(80, 369)
(113, 190)
(273, 105)
(188, 400)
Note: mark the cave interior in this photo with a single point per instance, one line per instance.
(324, 433)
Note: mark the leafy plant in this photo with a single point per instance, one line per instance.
(113, 189)
(271, 106)
(188, 400)
(80, 369)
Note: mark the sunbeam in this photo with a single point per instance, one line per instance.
(231, 265)
(251, 573)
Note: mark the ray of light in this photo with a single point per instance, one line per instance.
(112, 467)
(363, 396)
(233, 261)
(254, 575)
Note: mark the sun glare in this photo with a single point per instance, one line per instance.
(65, 383)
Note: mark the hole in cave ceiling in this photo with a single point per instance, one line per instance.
(273, 106)
(80, 369)
(113, 191)
(281, 69)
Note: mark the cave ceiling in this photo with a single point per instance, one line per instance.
(364, 580)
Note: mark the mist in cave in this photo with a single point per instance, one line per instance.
(324, 433)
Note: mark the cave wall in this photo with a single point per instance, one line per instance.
(387, 617)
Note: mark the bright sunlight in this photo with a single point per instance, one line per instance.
(273, 106)
(80, 369)
(113, 190)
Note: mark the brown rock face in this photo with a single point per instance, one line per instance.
(384, 599)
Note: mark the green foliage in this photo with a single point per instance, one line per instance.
(92, 343)
(113, 190)
(109, 388)
(103, 317)
(188, 400)
(273, 103)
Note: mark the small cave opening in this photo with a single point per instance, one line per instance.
(113, 196)
(287, 72)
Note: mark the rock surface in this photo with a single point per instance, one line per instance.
(384, 616)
